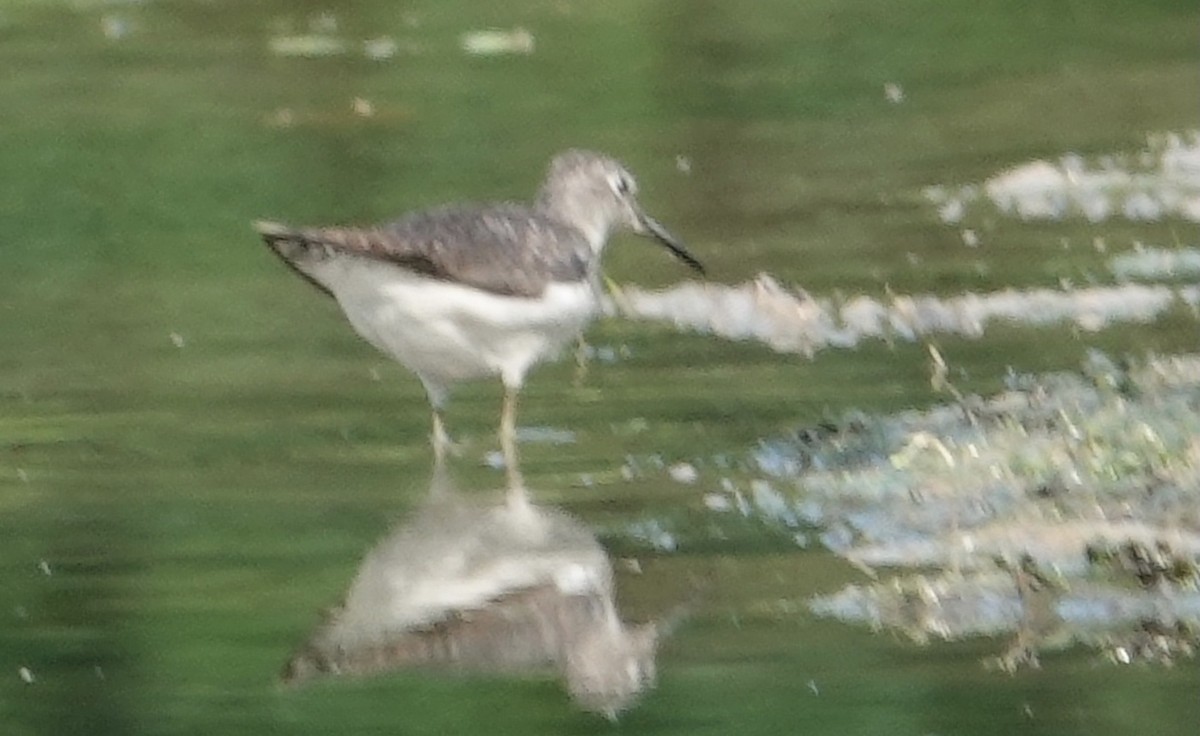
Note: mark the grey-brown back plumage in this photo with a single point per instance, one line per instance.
(507, 249)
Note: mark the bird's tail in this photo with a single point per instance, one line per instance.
(353, 240)
(281, 238)
(295, 247)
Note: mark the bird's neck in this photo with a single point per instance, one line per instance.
(572, 212)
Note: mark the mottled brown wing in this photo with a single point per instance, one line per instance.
(503, 249)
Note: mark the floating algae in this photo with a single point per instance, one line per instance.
(1064, 510)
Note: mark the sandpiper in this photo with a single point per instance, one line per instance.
(467, 291)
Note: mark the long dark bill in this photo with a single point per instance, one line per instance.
(654, 229)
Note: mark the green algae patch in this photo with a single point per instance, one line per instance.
(1065, 510)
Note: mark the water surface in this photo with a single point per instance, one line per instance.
(195, 450)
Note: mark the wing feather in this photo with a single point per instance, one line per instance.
(504, 249)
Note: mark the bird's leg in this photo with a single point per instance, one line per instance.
(442, 446)
(508, 442)
(581, 361)
(441, 440)
(441, 487)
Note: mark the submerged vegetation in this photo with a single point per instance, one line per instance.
(1064, 510)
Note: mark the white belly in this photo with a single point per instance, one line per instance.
(445, 332)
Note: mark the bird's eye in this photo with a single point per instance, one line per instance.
(621, 184)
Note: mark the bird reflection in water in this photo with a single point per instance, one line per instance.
(505, 587)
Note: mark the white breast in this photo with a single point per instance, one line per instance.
(446, 332)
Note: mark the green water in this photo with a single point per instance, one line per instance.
(195, 450)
